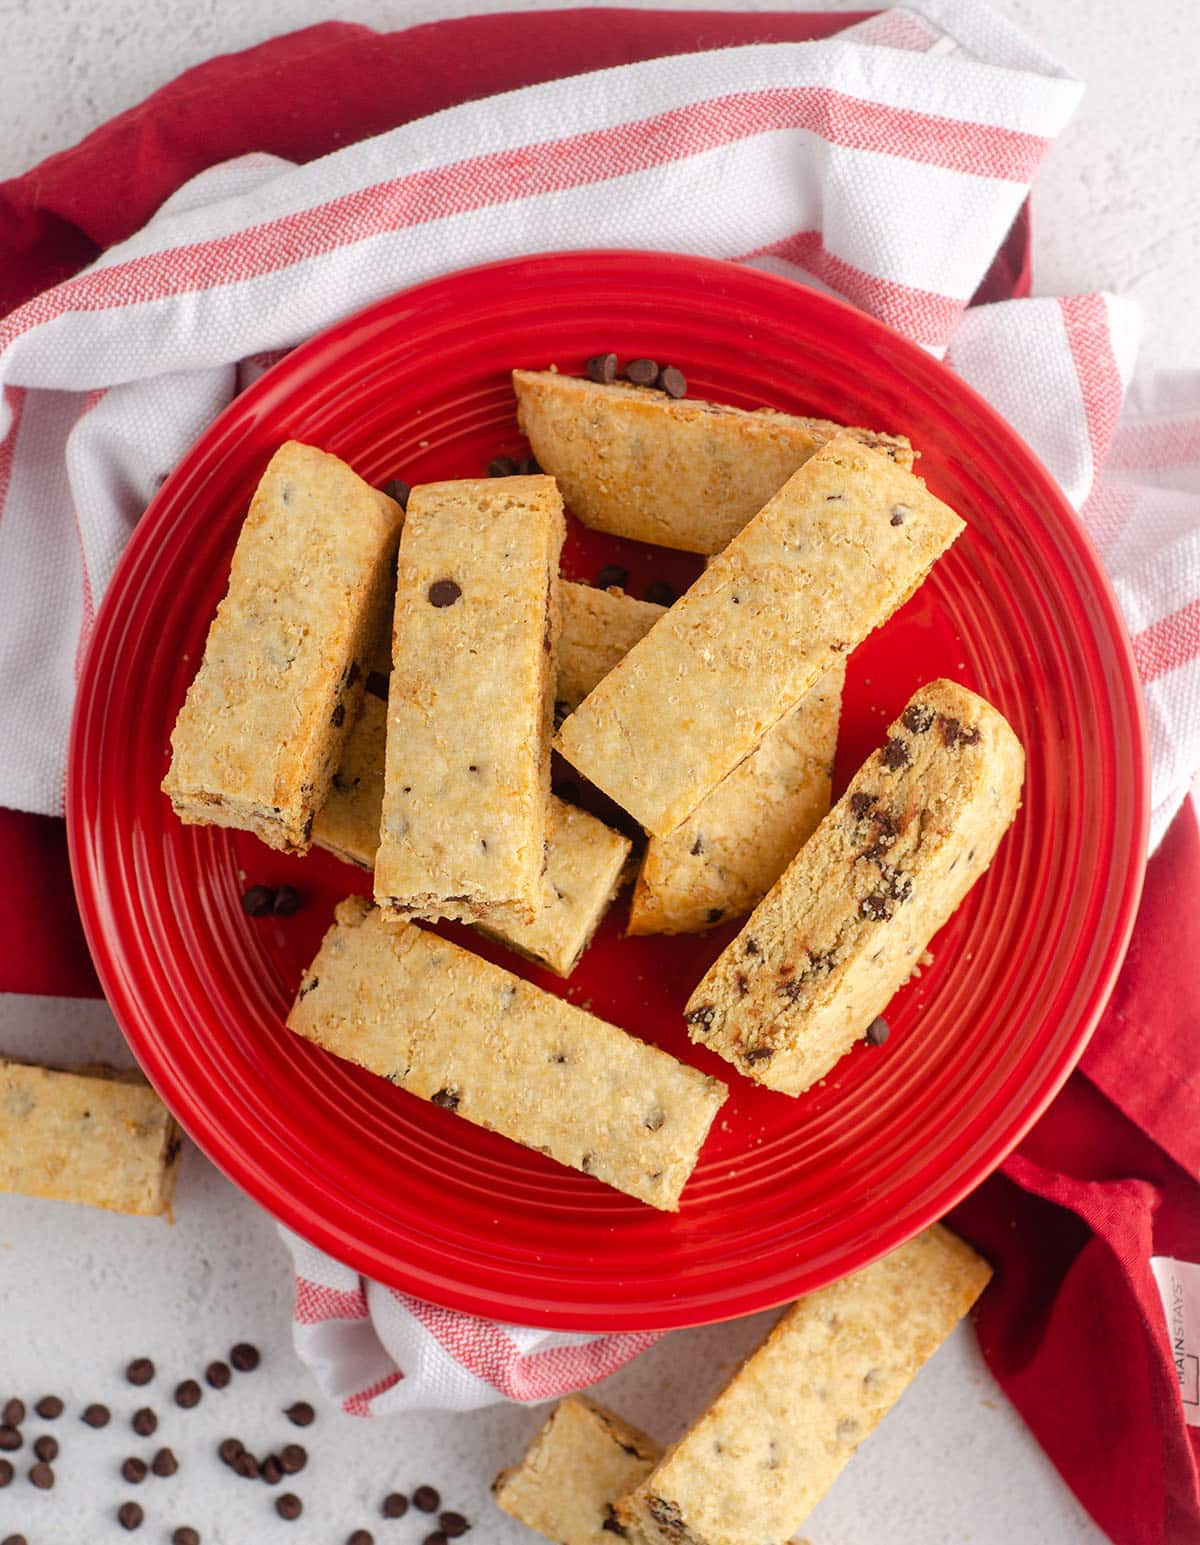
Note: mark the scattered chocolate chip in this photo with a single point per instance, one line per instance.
(446, 1098)
(661, 593)
(338, 717)
(293, 1457)
(144, 1422)
(188, 1394)
(899, 513)
(246, 1465)
(289, 1506)
(917, 719)
(752, 947)
(697, 847)
(426, 1499)
(702, 1017)
(611, 1523)
(612, 574)
(164, 1463)
(244, 1357)
(642, 372)
(10, 1440)
(130, 1515)
(229, 1449)
(875, 907)
(141, 1369)
(790, 990)
(300, 1414)
(949, 729)
(6, 1473)
(185, 1535)
(258, 901)
(444, 592)
(96, 1415)
(14, 1413)
(502, 466)
(436, 1538)
(715, 914)
(396, 488)
(877, 1032)
(49, 1408)
(14, 1539)
(134, 1470)
(288, 901)
(42, 1475)
(969, 737)
(46, 1447)
(602, 368)
(271, 1470)
(305, 989)
(394, 1505)
(760, 1054)
(217, 1375)
(360, 1537)
(895, 754)
(673, 381)
(453, 1524)
(743, 986)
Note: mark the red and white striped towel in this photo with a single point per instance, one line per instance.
(885, 164)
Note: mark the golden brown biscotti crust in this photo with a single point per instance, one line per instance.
(682, 473)
(599, 628)
(754, 1465)
(842, 929)
(265, 719)
(834, 553)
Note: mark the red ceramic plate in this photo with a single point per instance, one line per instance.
(789, 1194)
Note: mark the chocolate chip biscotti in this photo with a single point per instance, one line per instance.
(850, 917)
(262, 728)
(87, 1135)
(752, 1468)
(686, 474)
(599, 627)
(449, 1027)
(471, 702)
(578, 1465)
(846, 540)
(734, 846)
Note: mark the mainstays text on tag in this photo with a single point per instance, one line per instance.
(1179, 1289)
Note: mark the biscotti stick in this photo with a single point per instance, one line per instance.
(845, 541)
(261, 731)
(471, 702)
(578, 1465)
(88, 1135)
(737, 842)
(752, 1468)
(599, 627)
(850, 917)
(685, 474)
(452, 1028)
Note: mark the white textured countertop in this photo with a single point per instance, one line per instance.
(82, 1292)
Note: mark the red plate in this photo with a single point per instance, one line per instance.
(789, 1193)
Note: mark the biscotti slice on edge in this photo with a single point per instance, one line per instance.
(599, 628)
(850, 917)
(471, 701)
(578, 1465)
(736, 843)
(452, 1028)
(686, 474)
(88, 1135)
(845, 541)
(265, 719)
(754, 1465)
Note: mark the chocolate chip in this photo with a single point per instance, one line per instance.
(895, 754)
(289, 1506)
(502, 466)
(697, 847)
(42, 1476)
(257, 902)
(602, 368)
(752, 947)
(288, 900)
(949, 730)
(434, 1538)
(760, 1054)
(130, 1515)
(10, 1440)
(300, 1414)
(230, 1448)
(6, 1473)
(969, 737)
(673, 381)
(743, 986)
(612, 574)
(96, 1415)
(46, 1447)
(305, 989)
(660, 593)
(49, 1408)
(14, 1413)
(338, 717)
(188, 1394)
(246, 1465)
(444, 592)
(790, 990)
(642, 372)
(271, 1470)
(877, 1032)
(217, 1375)
(875, 907)
(141, 1369)
(134, 1470)
(899, 514)
(185, 1535)
(715, 914)
(164, 1462)
(14, 1539)
(244, 1357)
(453, 1524)
(610, 1521)
(360, 1537)
(917, 718)
(293, 1458)
(396, 488)
(702, 1017)
(394, 1505)
(427, 1499)
(144, 1422)
(446, 1098)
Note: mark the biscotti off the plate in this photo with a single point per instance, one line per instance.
(262, 728)
(850, 917)
(686, 474)
(89, 1135)
(471, 700)
(845, 542)
(754, 1465)
(579, 1464)
(454, 1029)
